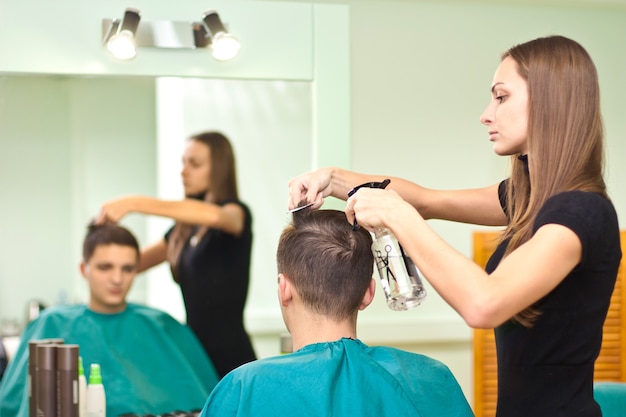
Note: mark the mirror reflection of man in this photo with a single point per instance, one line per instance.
(110, 270)
(130, 342)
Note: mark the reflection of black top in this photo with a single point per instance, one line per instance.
(547, 370)
(214, 276)
(4, 360)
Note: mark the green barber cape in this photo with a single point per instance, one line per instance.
(342, 378)
(150, 363)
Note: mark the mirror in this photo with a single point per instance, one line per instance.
(61, 138)
(77, 128)
(81, 141)
(270, 124)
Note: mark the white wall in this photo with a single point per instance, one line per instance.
(75, 47)
(65, 144)
(421, 74)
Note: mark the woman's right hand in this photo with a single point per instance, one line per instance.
(310, 187)
(373, 208)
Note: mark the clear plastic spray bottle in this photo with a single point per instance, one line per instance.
(398, 274)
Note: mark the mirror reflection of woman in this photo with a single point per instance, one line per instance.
(208, 248)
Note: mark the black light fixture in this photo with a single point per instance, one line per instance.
(212, 33)
(120, 37)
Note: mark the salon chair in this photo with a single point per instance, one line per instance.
(612, 398)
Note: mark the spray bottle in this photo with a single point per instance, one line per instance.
(82, 389)
(398, 274)
(96, 399)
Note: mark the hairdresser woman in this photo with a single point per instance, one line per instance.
(547, 287)
(208, 247)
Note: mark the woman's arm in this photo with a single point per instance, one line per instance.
(476, 206)
(152, 255)
(229, 217)
(483, 300)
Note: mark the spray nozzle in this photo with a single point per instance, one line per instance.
(94, 374)
(371, 184)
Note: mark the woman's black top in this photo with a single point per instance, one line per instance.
(214, 276)
(547, 370)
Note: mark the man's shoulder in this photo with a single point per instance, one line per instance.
(276, 362)
(278, 366)
(409, 359)
(273, 367)
(403, 353)
(53, 322)
(145, 310)
(61, 311)
(153, 315)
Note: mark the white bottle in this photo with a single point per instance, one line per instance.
(96, 399)
(82, 389)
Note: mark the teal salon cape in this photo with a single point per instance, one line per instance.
(150, 363)
(342, 378)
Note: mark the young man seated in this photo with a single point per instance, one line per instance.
(150, 363)
(325, 278)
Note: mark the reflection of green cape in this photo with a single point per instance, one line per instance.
(150, 363)
(341, 378)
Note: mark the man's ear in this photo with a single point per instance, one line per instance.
(285, 290)
(83, 269)
(368, 297)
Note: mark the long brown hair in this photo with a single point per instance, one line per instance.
(223, 187)
(565, 133)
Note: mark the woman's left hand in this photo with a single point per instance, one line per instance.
(113, 211)
(374, 208)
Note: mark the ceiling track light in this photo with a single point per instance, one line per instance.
(122, 38)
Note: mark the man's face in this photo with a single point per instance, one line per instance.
(110, 273)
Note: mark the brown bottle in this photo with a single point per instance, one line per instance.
(67, 380)
(32, 370)
(45, 380)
